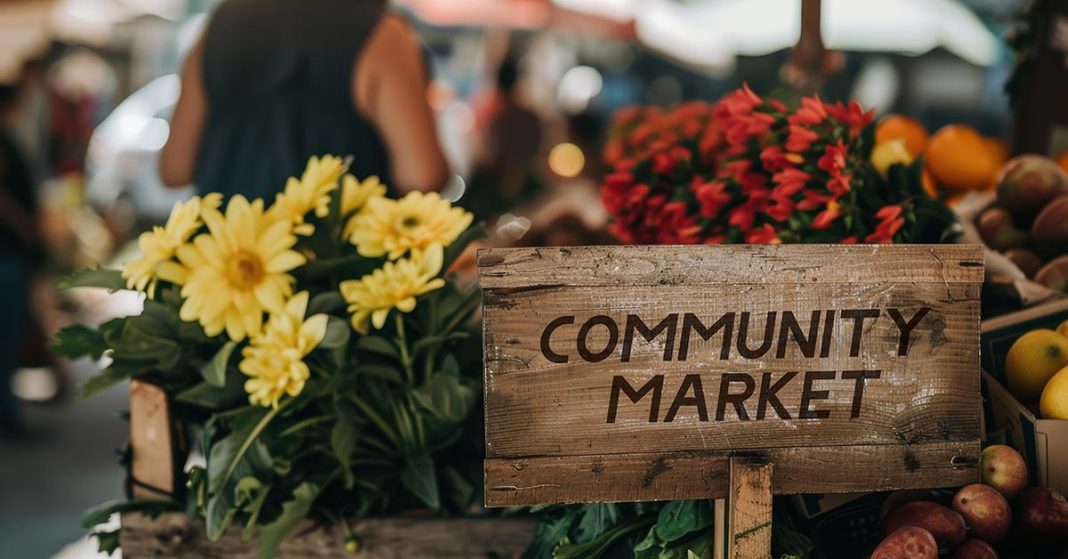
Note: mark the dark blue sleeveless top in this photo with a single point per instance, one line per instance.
(279, 81)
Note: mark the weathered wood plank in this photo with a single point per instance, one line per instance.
(152, 445)
(174, 537)
(929, 394)
(623, 358)
(707, 265)
(749, 509)
(703, 475)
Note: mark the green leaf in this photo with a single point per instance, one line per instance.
(78, 340)
(252, 493)
(446, 398)
(598, 546)
(94, 277)
(211, 397)
(107, 542)
(433, 342)
(342, 441)
(327, 302)
(337, 333)
(596, 519)
(679, 518)
(379, 345)
(384, 372)
(102, 513)
(460, 491)
(419, 477)
(227, 453)
(293, 512)
(220, 513)
(106, 378)
(214, 371)
(550, 534)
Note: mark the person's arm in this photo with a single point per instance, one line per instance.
(390, 88)
(177, 159)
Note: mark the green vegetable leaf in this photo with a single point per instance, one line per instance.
(549, 534)
(151, 508)
(293, 512)
(596, 519)
(214, 371)
(420, 478)
(107, 542)
(679, 518)
(207, 396)
(446, 398)
(220, 514)
(384, 372)
(94, 277)
(337, 333)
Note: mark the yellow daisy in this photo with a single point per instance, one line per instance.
(310, 192)
(159, 245)
(275, 358)
(394, 285)
(237, 270)
(416, 221)
(354, 196)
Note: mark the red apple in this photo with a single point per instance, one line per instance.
(909, 542)
(975, 549)
(1004, 469)
(947, 526)
(985, 511)
(1042, 516)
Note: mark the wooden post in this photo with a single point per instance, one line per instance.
(152, 448)
(749, 510)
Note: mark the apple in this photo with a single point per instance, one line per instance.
(1042, 516)
(946, 525)
(1003, 469)
(909, 542)
(974, 549)
(985, 511)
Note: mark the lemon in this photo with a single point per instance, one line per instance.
(1054, 402)
(1032, 360)
(889, 153)
(1063, 329)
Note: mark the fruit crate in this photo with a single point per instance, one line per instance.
(1042, 442)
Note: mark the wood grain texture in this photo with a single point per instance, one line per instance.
(718, 264)
(175, 537)
(549, 397)
(702, 475)
(749, 509)
(152, 445)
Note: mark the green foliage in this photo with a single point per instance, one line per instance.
(386, 422)
(94, 277)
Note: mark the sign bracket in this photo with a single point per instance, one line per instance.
(749, 509)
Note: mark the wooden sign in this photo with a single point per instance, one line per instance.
(639, 373)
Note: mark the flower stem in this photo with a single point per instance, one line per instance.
(406, 358)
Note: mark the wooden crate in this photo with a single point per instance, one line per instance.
(156, 456)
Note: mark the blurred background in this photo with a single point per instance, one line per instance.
(522, 92)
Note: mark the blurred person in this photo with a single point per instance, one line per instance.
(19, 255)
(272, 82)
(506, 166)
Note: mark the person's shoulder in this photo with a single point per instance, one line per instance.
(395, 35)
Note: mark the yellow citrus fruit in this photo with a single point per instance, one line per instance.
(898, 127)
(1063, 329)
(888, 153)
(959, 159)
(1032, 360)
(1054, 402)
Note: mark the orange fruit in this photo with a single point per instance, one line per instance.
(959, 158)
(894, 127)
(1062, 160)
(999, 152)
(928, 183)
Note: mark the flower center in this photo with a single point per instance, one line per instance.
(410, 222)
(245, 270)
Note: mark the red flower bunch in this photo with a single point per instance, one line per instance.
(753, 170)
